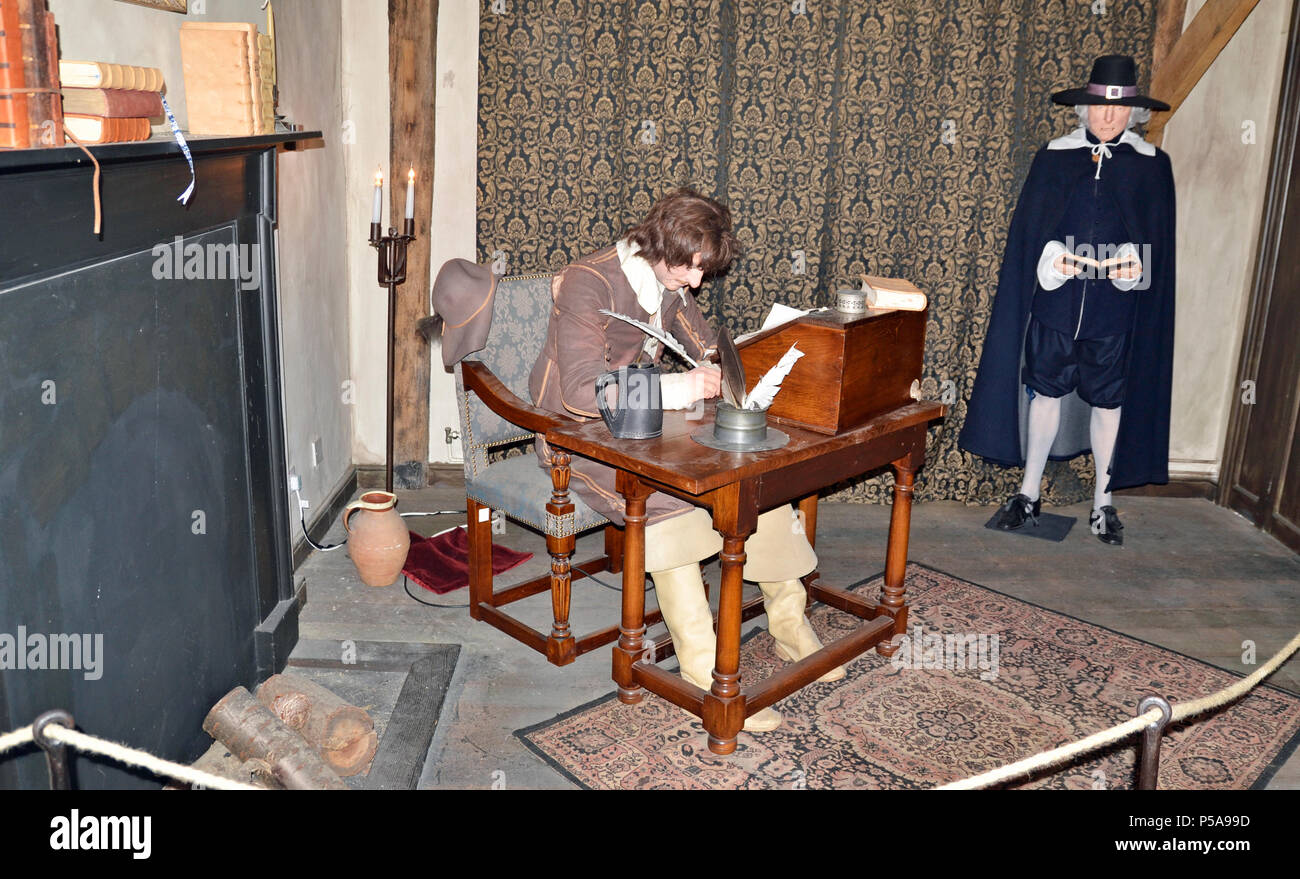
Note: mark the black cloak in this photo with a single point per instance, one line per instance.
(995, 416)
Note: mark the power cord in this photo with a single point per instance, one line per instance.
(649, 588)
(302, 519)
(406, 583)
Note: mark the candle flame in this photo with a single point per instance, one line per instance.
(410, 175)
(379, 178)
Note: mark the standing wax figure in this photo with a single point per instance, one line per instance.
(648, 275)
(1089, 349)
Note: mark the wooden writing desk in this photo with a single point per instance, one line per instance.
(737, 487)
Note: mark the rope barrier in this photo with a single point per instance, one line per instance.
(1055, 757)
(1181, 711)
(122, 754)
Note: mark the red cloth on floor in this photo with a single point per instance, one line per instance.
(441, 564)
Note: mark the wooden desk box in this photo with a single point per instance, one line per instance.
(855, 366)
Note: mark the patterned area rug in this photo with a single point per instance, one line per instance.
(983, 679)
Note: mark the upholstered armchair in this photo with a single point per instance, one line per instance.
(491, 390)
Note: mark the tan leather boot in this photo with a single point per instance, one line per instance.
(794, 635)
(689, 620)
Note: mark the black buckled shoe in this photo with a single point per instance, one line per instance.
(1106, 526)
(1017, 511)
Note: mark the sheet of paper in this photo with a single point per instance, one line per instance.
(780, 314)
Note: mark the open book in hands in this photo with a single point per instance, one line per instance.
(1125, 265)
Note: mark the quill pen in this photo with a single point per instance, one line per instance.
(658, 334)
(766, 389)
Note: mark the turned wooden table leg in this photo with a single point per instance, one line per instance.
(561, 648)
(631, 647)
(808, 518)
(900, 522)
(807, 513)
(724, 707)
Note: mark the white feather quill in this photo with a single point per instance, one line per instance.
(766, 389)
(658, 334)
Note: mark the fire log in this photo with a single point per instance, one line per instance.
(342, 733)
(252, 732)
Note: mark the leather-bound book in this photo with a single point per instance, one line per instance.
(40, 71)
(118, 103)
(223, 88)
(102, 75)
(13, 105)
(55, 136)
(103, 129)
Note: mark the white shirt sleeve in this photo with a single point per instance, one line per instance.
(1126, 284)
(674, 391)
(1048, 277)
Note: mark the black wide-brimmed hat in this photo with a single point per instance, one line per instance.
(1113, 81)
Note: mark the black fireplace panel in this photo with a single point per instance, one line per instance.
(141, 458)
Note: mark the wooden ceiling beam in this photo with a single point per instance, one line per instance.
(1176, 73)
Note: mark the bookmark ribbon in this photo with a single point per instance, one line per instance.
(184, 197)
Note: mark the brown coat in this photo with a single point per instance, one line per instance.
(581, 344)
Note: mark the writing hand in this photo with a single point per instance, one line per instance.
(703, 382)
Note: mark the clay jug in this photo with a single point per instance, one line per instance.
(378, 540)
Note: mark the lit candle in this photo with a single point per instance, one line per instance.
(376, 214)
(410, 193)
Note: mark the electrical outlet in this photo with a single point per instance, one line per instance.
(316, 456)
(295, 484)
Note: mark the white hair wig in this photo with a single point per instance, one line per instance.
(1139, 116)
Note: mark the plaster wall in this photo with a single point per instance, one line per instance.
(455, 221)
(312, 245)
(364, 135)
(1220, 142)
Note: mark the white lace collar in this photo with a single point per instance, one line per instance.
(641, 275)
(1079, 138)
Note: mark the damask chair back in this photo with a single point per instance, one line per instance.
(520, 312)
(492, 395)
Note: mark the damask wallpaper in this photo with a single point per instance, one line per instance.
(882, 136)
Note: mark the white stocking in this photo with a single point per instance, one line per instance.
(1103, 427)
(1044, 418)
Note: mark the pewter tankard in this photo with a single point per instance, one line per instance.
(638, 412)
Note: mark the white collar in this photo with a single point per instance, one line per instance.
(641, 275)
(1079, 138)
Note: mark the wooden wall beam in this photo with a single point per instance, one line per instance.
(1169, 27)
(412, 62)
(1179, 71)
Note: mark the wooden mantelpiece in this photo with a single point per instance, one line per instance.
(55, 227)
(142, 458)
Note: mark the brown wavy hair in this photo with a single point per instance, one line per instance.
(684, 223)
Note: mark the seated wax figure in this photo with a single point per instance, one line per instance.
(1095, 340)
(648, 275)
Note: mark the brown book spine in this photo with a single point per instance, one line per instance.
(13, 105)
(112, 102)
(52, 80)
(31, 15)
(124, 130)
(113, 130)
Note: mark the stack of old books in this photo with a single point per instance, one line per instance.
(30, 115)
(229, 78)
(110, 103)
